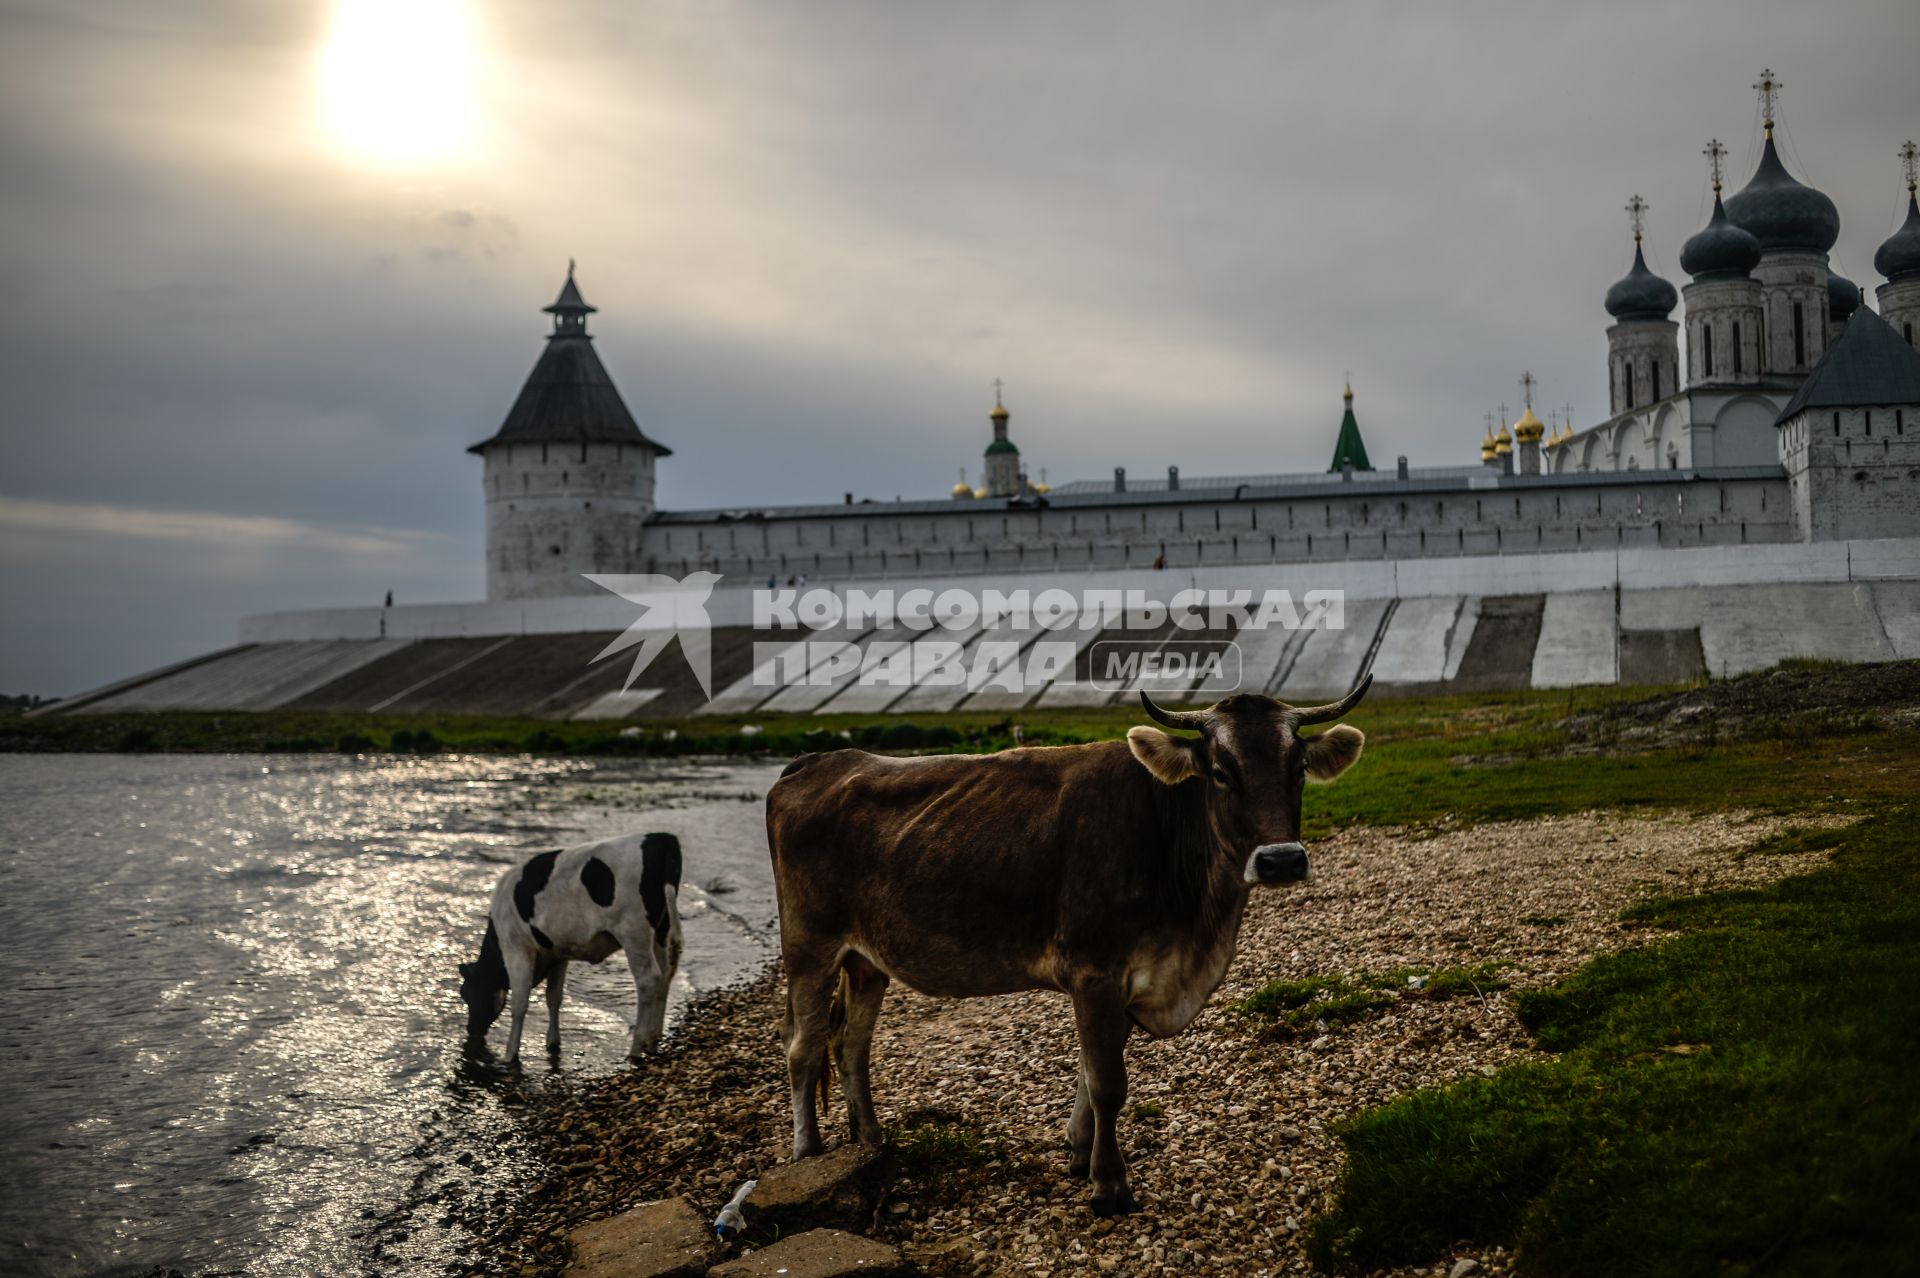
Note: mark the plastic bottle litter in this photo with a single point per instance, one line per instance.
(731, 1219)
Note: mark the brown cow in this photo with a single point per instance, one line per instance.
(1115, 873)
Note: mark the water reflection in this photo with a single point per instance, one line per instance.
(233, 1039)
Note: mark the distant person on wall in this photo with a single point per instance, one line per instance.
(389, 602)
(1159, 562)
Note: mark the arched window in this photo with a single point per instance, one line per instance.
(1799, 334)
(1656, 382)
(1706, 348)
(1736, 348)
(1626, 379)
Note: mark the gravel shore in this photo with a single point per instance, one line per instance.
(1227, 1135)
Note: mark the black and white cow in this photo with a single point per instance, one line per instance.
(579, 903)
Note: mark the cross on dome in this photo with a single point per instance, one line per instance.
(1637, 215)
(1769, 90)
(1716, 154)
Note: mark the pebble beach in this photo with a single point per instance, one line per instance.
(1228, 1131)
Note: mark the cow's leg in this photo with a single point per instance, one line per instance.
(865, 987)
(1080, 1129)
(650, 999)
(666, 962)
(520, 975)
(1100, 1015)
(556, 991)
(810, 984)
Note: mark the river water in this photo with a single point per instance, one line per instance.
(230, 1033)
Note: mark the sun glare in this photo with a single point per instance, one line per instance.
(397, 80)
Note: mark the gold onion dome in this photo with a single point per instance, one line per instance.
(1043, 488)
(1529, 426)
(979, 492)
(1486, 446)
(963, 489)
(1503, 442)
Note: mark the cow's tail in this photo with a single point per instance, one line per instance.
(836, 1034)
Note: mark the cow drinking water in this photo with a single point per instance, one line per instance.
(1115, 873)
(579, 903)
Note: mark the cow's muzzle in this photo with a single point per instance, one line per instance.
(1279, 863)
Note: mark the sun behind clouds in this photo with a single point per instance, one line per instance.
(398, 80)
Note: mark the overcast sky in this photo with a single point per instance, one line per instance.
(245, 344)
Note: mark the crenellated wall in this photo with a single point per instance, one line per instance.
(1370, 520)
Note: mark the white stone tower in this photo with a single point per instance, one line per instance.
(1003, 459)
(1850, 438)
(1796, 226)
(1643, 348)
(1725, 305)
(569, 477)
(1899, 260)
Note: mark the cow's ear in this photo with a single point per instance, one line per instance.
(466, 969)
(1170, 759)
(1334, 751)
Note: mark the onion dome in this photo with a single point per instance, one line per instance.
(1503, 442)
(963, 489)
(1487, 452)
(1781, 213)
(1843, 297)
(1899, 257)
(1721, 250)
(979, 493)
(1640, 294)
(1529, 427)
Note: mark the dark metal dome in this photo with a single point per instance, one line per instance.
(1720, 250)
(1781, 213)
(1843, 297)
(1641, 295)
(1899, 257)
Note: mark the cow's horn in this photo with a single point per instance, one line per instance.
(1333, 709)
(1191, 719)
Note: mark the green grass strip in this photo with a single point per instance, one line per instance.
(1742, 1098)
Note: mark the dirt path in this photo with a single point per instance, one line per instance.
(1227, 1136)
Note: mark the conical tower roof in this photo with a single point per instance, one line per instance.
(568, 397)
(1348, 448)
(1869, 366)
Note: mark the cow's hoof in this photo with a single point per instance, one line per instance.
(1120, 1204)
(1079, 1164)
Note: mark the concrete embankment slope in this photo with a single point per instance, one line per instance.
(1469, 625)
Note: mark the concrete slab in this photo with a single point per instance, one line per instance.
(1462, 637)
(1577, 644)
(1261, 652)
(1898, 606)
(833, 670)
(1505, 638)
(617, 704)
(1414, 648)
(258, 678)
(874, 698)
(767, 678)
(1330, 660)
(932, 698)
(1742, 628)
